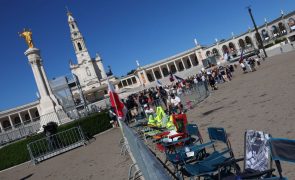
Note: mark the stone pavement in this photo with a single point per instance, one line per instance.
(100, 159)
(261, 100)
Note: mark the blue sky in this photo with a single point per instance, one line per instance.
(120, 31)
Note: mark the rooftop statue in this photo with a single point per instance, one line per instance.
(27, 35)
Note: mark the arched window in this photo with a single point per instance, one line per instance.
(275, 31)
(79, 46)
(291, 23)
(208, 53)
(158, 75)
(73, 26)
(173, 69)
(265, 35)
(17, 120)
(27, 117)
(165, 72)
(215, 52)
(248, 41)
(37, 114)
(242, 44)
(225, 49)
(6, 124)
(189, 65)
(258, 40)
(180, 65)
(88, 71)
(231, 46)
(120, 85)
(195, 59)
(282, 28)
(150, 77)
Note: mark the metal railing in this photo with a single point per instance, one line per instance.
(30, 127)
(53, 145)
(150, 167)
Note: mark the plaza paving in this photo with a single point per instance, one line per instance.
(261, 100)
(100, 159)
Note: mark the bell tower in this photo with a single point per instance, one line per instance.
(77, 40)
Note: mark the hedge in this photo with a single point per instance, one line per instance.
(17, 153)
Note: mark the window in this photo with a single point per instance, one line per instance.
(120, 85)
(27, 117)
(73, 26)
(79, 46)
(129, 81)
(124, 83)
(88, 71)
(134, 80)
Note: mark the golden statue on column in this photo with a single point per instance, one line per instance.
(27, 35)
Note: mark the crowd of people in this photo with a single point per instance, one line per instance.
(169, 96)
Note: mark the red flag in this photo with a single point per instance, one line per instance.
(116, 102)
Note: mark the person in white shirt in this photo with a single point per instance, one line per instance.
(176, 103)
(148, 110)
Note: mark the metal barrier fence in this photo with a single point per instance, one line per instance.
(23, 130)
(189, 98)
(149, 165)
(53, 145)
(27, 128)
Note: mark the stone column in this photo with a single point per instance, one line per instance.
(1, 127)
(154, 74)
(270, 35)
(183, 63)
(190, 60)
(52, 96)
(30, 115)
(11, 123)
(161, 72)
(199, 57)
(168, 68)
(20, 117)
(176, 66)
(47, 105)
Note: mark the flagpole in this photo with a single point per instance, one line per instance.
(119, 121)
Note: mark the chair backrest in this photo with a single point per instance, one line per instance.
(180, 122)
(217, 134)
(257, 155)
(282, 149)
(193, 130)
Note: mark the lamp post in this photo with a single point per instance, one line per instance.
(256, 30)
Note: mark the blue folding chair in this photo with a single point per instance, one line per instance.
(193, 143)
(212, 166)
(281, 150)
